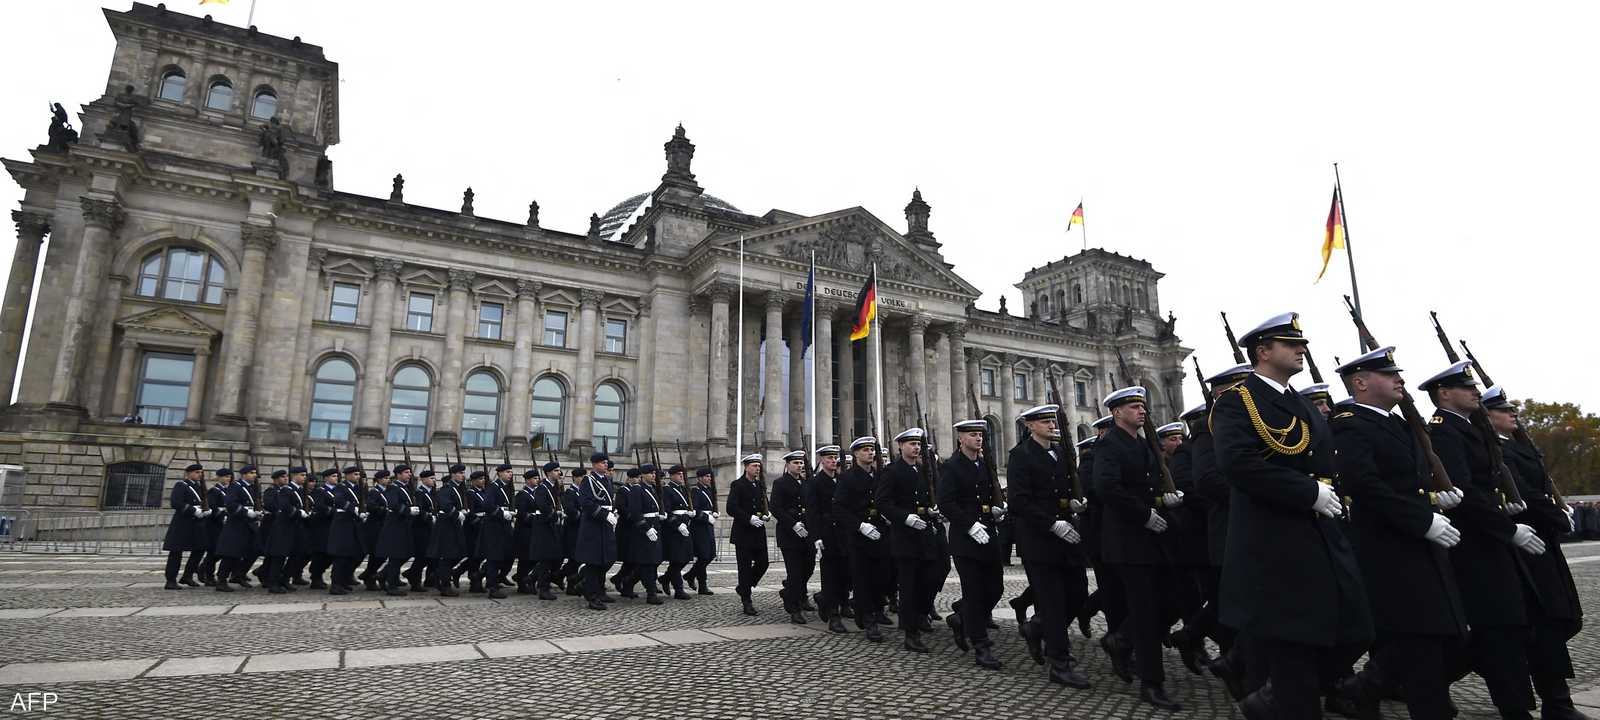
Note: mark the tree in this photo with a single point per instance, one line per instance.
(1570, 441)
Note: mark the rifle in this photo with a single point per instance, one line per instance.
(1521, 431)
(1509, 494)
(1233, 342)
(483, 458)
(1069, 453)
(457, 442)
(405, 452)
(927, 449)
(1164, 484)
(1200, 377)
(997, 497)
(1439, 479)
(361, 471)
(337, 466)
(1311, 364)
(383, 456)
(679, 445)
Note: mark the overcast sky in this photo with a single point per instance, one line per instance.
(1201, 137)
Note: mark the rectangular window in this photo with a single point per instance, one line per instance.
(164, 388)
(986, 382)
(134, 485)
(555, 328)
(1081, 391)
(490, 316)
(616, 336)
(419, 312)
(346, 300)
(1019, 386)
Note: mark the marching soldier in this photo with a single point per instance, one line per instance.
(472, 566)
(676, 547)
(522, 535)
(490, 507)
(1125, 476)
(626, 574)
(344, 534)
(966, 495)
(703, 528)
(324, 505)
(916, 535)
(238, 541)
(300, 486)
(857, 515)
(186, 532)
(1107, 595)
(1319, 397)
(420, 575)
(1400, 542)
(395, 539)
(569, 534)
(216, 517)
(249, 478)
(544, 533)
(501, 489)
(447, 543)
(287, 515)
(377, 517)
(644, 534)
(747, 505)
(1211, 491)
(597, 538)
(1290, 580)
(794, 536)
(835, 561)
(1186, 540)
(1041, 495)
(1557, 615)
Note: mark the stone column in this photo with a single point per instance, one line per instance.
(197, 388)
(1008, 409)
(375, 366)
(644, 418)
(823, 351)
(1036, 382)
(772, 397)
(101, 219)
(521, 393)
(960, 405)
(943, 414)
(918, 367)
(447, 422)
(973, 360)
(104, 329)
(122, 397)
(848, 431)
(583, 393)
(239, 344)
(797, 383)
(31, 228)
(298, 371)
(717, 403)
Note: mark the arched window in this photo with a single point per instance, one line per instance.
(1077, 294)
(1144, 299)
(1061, 300)
(264, 105)
(549, 407)
(173, 83)
(608, 417)
(408, 406)
(480, 410)
(220, 95)
(182, 274)
(333, 399)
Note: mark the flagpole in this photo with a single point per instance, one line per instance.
(1349, 250)
(1084, 223)
(811, 397)
(738, 393)
(877, 350)
(251, 19)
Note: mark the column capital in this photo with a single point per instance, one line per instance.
(316, 258)
(646, 302)
(775, 298)
(590, 297)
(128, 344)
(919, 324)
(974, 355)
(461, 279)
(387, 268)
(31, 225)
(258, 237)
(102, 213)
(202, 351)
(1009, 359)
(721, 292)
(529, 289)
(957, 332)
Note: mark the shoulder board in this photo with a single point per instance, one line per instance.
(1436, 420)
(1343, 415)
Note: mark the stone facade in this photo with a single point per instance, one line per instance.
(204, 275)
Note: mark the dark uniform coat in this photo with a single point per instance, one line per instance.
(1558, 595)
(283, 536)
(675, 548)
(1185, 538)
(855, 501)
(644, 515)
(1212, 492)
(746, 498)
(1410, 583)
(1092, 519)
(569, 528)
(1124, 476)
(966, 496)
(903, 492)
(522, 532)
(621, 490)
(788, 508)
(1290, 573)
(422, 523)
(238, 538)
(494, 530)
(545, 524)
(185, 532)
(324, 504)
(597, 541)
(377, 507)
(217, 516)
(448, 541)
(1489, 569)
(1041, 493)
(344, 530)
(395, 538)
(702, 529)
(819, 514)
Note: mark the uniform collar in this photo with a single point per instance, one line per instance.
(1274, 384)
(1378, 410)
(1459, 415)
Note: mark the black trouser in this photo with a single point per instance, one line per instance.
(391, 572)
(274, 570)
(295, 564)
(491, 572)
(798, 564)
(225, 569)
(370, 572)
(344, 571)
(319, 563)
(1300, 672)
(1059, 591)
(835, 582)
(526, 565)
(1415, 663)
(1146, 624)
(442, 570)
(242, 567)
(981, 585)
(647, 573)
(544, 571)
(1548, 660)
(674, 575)
(1202, 623)
(1111, 600)
(920, 580)
(751, 560)
(208, 566)
(419, 566)
(594, 582)
(469, 567)
(1499, 654)
(175, 558)
(871, 578)
(698, 572)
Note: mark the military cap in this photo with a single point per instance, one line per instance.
(751, 458)
(794, 455)
(381, 474)
(1237, 372)
(297, 470)
(1312, 392)
(1284, 327)
(1171, 428)
(330, 472)
(1495, 399)
(530, 473)
(502, 467)
(279, 473)
(1087, 442)
(599, 457)
(426, 473)
(632, 472)
(1194, 412)
(1039, 412)
(477, 474)
(971, 426)
(862, 442)
(248, 469)
(828, 451)
(224, 472)
(352, 469)
(704, 472)
(552, 465)
(911, 435)
(676, 469)
(458, 467)
(1457, 375)
(402, 467)
(1124, 396)
(195, 467)
(647, 468)
(1103, 422)
(1380, 360)
(1345, 403)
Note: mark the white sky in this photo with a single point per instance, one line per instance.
(1200, 136)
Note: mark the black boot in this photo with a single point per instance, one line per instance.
(173, 585)
(954, 621)
(1034, 636)
(595, 604)
(983, 655)
(1084, 616)
(1156, 695)
(913, 642)
(1257, 705)
(1119, 657)
(836, 625)
(797, 618)
(496, 592)
(1021, 611)
(1232, 678)
(1062, 673)
(873, 633)
(189, 580)
(749, 608)
(1186, 649)
(652, 597)
(1355, 698)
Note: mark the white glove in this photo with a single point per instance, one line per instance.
(196, 511)
(756, 521)
(1448, 499)
(1171, 499)
(611, 517)
(1516, 508)
(870, 530)
(1079, 506)
(1572, 520)
(715, 516)
(1064, 530)
(915, 523)
(1525, 538)
(1442, 533)
(304, 514)
(413, 510)
(1155, 523)
(652, 534)
(507, 514)
(252, 514)
(819, 543)
(683, 530)
(998, 511)
(979, 534)
(363, 516)
(1327, 501)
(800, 529)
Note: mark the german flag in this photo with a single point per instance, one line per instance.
(1077, 217)
(866, 307)
(1333, 235)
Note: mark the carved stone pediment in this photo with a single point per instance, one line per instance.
(169, 322)
(851, 241)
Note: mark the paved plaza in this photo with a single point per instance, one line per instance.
(100, 633)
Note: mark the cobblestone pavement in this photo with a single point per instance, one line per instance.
(100, 633)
